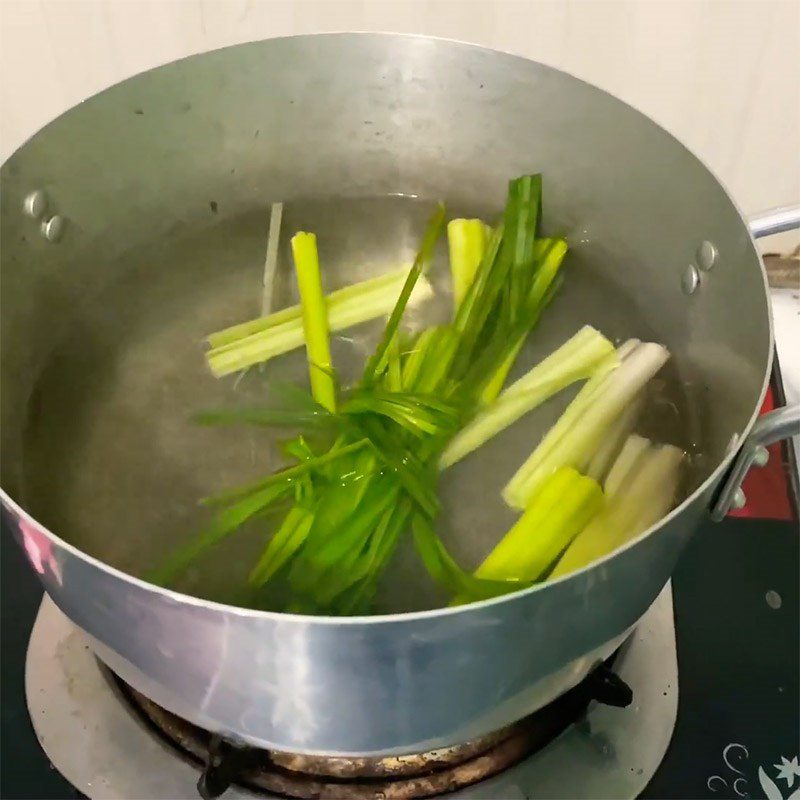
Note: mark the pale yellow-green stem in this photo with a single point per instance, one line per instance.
(647, 496)
(577, 435)
(282, 331)
(582, 356)
(495, 384)
(563, 506)
(394, 370)
(466, 241)
(553, 252)
(315, 319)
(414, 360)
(236, 333)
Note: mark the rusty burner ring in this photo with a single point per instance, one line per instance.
(406, 777)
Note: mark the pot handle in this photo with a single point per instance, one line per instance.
(773, 426)
(776, 220)
(782, 423)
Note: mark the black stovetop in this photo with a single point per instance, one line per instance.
(738, 666)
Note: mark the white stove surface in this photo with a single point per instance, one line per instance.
(102, 747)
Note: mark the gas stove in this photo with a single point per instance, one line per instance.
(127, 747)
(713, 670)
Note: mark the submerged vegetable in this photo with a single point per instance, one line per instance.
(466, 239)
(315, 319)
(577, 359)
(364, 468)
(648, 478)
(249, 343)
(556, 515)
(589, 418)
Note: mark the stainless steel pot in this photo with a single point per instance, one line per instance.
(173, 169)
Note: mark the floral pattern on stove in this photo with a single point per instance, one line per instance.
(734, 755)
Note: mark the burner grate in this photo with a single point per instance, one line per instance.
(407, 777)
(77, 708)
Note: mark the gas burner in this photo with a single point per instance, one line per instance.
(390, 778)
(129, 747)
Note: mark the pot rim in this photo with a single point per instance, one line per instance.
(436, 613)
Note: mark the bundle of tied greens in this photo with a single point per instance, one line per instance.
(366, 461)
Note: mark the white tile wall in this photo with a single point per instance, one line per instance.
(724, 76)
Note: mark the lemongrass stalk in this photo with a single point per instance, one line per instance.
(584, 350)
(234, 336)
(579, 442)
(576, 408)
(646, 498)
(466, 241)
(236, 333)
(315, 319)
(577, 359)
(668, 462)
(634, 452)
(614, 441)
(566, 502)
(271, 257)
(286, 333)
(346, 307)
